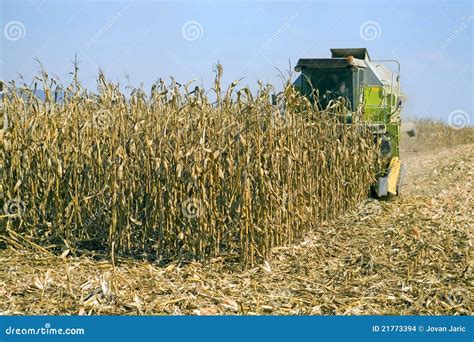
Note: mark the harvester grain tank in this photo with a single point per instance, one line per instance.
(371, 91)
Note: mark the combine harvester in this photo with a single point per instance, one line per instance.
(371, 92)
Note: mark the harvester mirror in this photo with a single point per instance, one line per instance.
(400, 103)
(412, 132)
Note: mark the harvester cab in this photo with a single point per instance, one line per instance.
(371, 93)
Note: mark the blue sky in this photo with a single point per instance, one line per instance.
(145, 40)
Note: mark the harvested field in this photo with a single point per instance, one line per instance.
(411, 255)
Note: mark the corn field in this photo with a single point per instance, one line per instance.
(434, 135)
(172, 173)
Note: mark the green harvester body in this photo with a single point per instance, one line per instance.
(372, 92)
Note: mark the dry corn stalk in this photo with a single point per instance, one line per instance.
(171, 173)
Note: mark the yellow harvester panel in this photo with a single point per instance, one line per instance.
(392, 176)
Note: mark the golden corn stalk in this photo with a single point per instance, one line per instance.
(174, 174)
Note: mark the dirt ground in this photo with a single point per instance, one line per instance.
(409, 255)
